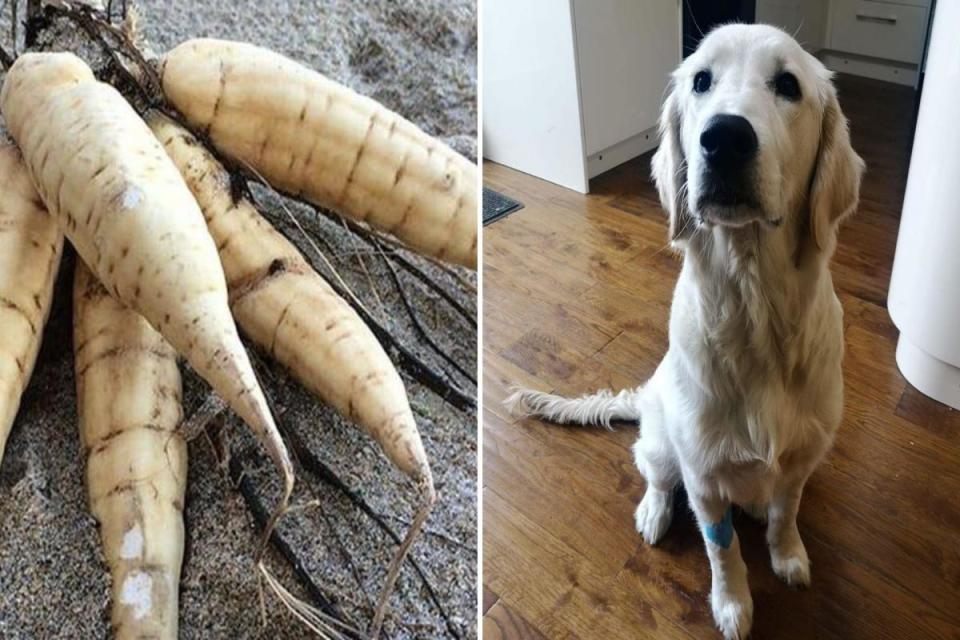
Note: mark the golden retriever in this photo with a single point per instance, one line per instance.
(755, 170)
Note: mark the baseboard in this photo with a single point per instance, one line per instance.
(888, 70)
(621, 152)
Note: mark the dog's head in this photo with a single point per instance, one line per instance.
(751, 131)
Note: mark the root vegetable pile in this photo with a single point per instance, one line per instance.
(173, 262)
(123, 205)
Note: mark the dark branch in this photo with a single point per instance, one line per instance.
(415, 318)
(5, 58)
(13, 26)
(36, 22)
(262, 516)
(375, 240)
(414, 366)
(469, 287)
(468, 315)
(326, 475)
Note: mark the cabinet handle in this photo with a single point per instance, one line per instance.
(866, 17)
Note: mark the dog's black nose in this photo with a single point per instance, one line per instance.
(728, 142)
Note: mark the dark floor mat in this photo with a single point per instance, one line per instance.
(496, 205)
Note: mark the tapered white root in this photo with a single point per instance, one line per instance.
(128, 396)
(319, 140)
(30, 247)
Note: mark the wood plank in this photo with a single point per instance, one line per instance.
(576, 482)
(920, 410)
(569, 590)
(499, 379)
(489, 599)
(501, 623)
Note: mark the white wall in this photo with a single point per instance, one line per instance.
(531, 112)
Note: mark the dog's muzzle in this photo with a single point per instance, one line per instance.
(729, 147)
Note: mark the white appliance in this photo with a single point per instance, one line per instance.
(924, 298)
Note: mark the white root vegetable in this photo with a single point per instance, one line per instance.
(292, 314)
(128, 398)
(30, 247)
(314, 138)
(124, 206)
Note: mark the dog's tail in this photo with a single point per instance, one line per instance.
(598, 408)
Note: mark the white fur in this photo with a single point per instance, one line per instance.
(600, 408)
(747, 399)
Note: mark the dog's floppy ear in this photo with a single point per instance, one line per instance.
(669, 166)
(835, 187)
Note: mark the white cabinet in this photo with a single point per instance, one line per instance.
(877, 39)
(880, 39)
(572, 88)
(531, 103)
(879, 29)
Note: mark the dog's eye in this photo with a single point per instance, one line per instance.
(786, 85)
(701, 81)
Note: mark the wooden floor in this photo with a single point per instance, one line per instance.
(576, 297)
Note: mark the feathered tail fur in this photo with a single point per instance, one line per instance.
(599, 408)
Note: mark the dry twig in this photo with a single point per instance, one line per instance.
(325, 474)
(262, 516)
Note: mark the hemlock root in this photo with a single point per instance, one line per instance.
(30, 249)
(314, 137)
(290, 312)
(128, 397)
(124, 207)
(129, 216)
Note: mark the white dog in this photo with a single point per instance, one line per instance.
(755, 170)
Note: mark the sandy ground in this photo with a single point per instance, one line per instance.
(417, 57)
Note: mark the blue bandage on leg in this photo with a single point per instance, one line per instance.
(721, 533)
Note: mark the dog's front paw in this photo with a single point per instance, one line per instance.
(654, 514)
(793, 567)
(733, 615)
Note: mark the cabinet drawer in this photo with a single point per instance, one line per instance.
(878, 29)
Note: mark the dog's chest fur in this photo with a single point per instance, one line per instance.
(758, 342)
